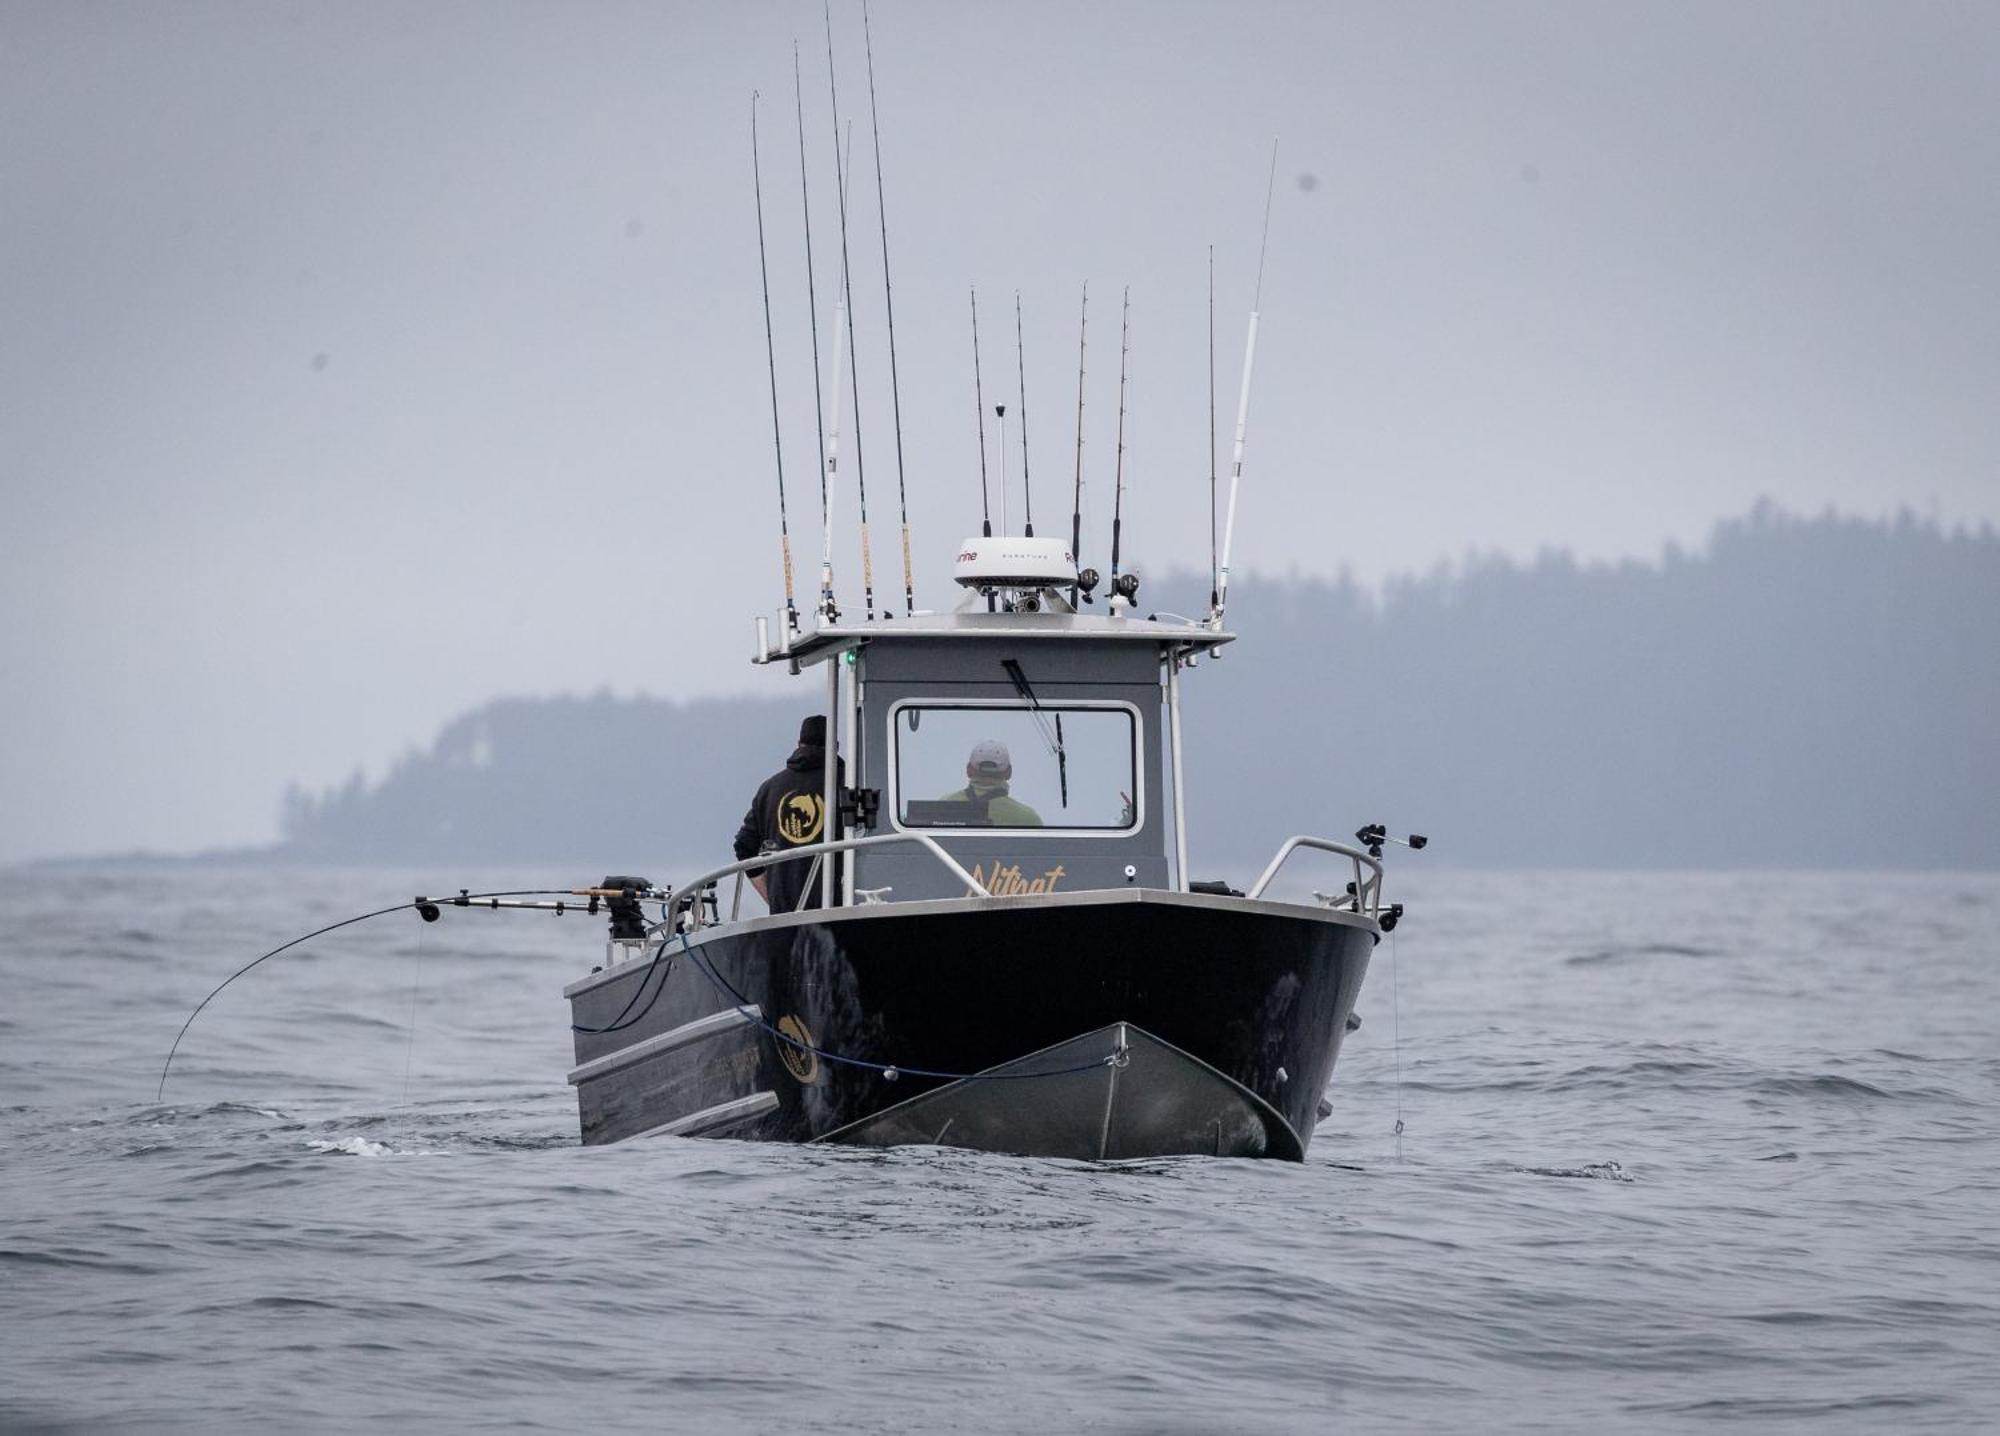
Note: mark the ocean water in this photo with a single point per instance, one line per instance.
(1678, 1152)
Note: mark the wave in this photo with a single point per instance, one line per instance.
(1708, 1076)
(1589, 1171)
(1641, 951)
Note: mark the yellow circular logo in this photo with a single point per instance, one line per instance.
(801, 1061)
(800, 818)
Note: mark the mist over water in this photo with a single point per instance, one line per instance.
(1679, 1150)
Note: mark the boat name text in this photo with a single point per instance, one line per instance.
(1005, 880)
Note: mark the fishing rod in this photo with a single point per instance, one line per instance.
(1021, 358)
(1213, 597)
(833, 433)
(1076, 498)
(889, 305)
(842, 154)
(979, 414)
(1118, 482)
(1243, 402)
(429, 909)
(829, 611)
(771, 356)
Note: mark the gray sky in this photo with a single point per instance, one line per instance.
(363, 362)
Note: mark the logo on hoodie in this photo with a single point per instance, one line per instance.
(801, 816)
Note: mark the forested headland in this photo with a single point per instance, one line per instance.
(1798, 692)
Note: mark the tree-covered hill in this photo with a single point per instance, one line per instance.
(1800, 692)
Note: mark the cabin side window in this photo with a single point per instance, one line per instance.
(1004, 765)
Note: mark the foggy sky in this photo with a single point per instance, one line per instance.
(363, 362)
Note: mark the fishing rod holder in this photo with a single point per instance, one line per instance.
(860, 808)
(1375, 834)
(628, 919)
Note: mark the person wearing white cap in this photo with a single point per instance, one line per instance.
(988, 770)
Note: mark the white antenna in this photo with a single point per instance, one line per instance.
(1243, 404)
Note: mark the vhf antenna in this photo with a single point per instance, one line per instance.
(1243, 402)
(1021, 358)
(889, 304)
(829, 611)
(1076, 497)
(771, 355)
(841, 154)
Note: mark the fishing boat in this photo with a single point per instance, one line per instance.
(997, 942)
(1042, 978)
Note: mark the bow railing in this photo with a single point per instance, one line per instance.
(1366, 891)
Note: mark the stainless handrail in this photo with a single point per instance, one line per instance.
(689, 894)
(1367, 893)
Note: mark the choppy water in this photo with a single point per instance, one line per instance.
(1681, 1151)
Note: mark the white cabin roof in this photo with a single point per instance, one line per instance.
(815, 645)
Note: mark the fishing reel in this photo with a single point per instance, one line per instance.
(628, 919)
(1124, 589)
(1086, 580)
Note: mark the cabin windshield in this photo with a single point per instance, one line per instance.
(1009, 765)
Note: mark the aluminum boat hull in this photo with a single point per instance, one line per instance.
(1123, 1023)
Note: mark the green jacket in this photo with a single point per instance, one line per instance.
(1001, 810)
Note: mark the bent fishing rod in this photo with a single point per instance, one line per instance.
(430, 909)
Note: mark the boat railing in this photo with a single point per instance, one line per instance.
(1366, 891)
(688, 896)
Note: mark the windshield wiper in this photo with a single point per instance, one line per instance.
(1055, 744)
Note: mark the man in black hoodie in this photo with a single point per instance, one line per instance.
(789, 811)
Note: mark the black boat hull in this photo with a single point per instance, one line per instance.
(1230, 1015)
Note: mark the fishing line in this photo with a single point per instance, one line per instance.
(410, 1050)
(414, 905)
(1396, 1038)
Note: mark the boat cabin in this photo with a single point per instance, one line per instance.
(1039, 749)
